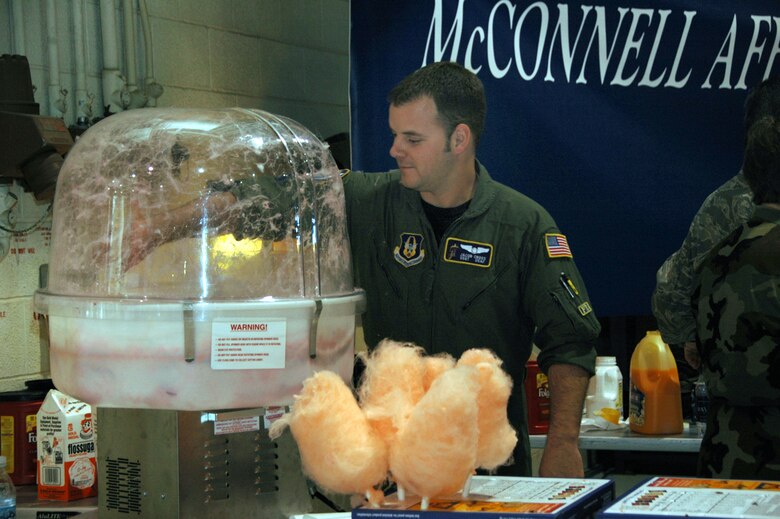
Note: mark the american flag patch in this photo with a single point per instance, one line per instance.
(557, 246)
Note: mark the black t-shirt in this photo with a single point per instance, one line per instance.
(441, 217)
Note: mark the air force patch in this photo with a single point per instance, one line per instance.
(468, 252)
(410, 251)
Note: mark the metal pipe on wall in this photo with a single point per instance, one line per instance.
(152, 88)
(128, 17)
(56, 92)
(83, 107)
(137, 97)
(113, 83)
(18, 27)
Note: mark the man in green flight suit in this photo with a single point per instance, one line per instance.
(451, 259)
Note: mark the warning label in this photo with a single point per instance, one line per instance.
(248, 344)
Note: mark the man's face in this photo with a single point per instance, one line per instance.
(420, 146)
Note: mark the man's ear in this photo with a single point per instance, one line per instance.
(460, 140)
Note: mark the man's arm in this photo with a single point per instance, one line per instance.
(561, 458)
(671, 298)
(722, 211)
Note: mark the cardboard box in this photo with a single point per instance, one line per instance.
(67, 465)
(665, 497)
(496, 497)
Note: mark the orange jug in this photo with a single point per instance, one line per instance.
(655, 403)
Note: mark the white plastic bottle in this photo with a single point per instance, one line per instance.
(700, 403)
(7, 493)
(605, 391)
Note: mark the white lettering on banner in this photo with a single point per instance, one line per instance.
(635, 50)
(755, 49)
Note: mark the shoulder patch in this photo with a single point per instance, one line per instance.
(468, 252)
(557, 246)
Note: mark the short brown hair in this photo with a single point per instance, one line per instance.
(457, 92)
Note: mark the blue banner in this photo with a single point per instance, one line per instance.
(619, 117)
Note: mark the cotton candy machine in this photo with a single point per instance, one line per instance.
(225, 309)
(185, 320)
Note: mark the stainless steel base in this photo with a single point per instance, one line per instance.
(171, 464)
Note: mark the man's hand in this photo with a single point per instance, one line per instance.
(691, 354)
(561, 457)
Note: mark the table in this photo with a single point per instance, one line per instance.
(622, 454)
(627, 440)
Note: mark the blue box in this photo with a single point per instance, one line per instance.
(697, 498)
(500, 497)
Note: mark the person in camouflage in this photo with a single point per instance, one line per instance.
(737, 307)
(723, 210)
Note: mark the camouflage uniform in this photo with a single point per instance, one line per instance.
(722, 211)
(737, 307)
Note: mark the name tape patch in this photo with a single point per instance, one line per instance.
(468, 252)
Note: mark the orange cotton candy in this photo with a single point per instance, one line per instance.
(339, 450)
(392, 384)
(435, 366)
(435, 451)
(497, 438)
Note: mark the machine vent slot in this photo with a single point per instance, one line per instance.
(216, 465)
(266, 465)
(123, 485)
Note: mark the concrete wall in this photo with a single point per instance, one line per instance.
(289, 57)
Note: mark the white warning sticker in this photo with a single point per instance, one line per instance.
(237, 425)
(248, 344)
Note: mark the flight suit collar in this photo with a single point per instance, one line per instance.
(484, 194)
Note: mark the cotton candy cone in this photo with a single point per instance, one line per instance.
(497, 438)
(339, 450)
(392, 384)
(435, 452)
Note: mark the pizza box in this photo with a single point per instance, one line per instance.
(503, 497)
(697, 498)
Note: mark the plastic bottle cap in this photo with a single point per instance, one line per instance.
(608, 361)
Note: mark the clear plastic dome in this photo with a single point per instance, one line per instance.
(133, 169)
(149, 280)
